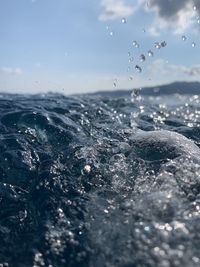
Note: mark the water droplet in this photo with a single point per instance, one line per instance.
(142, 57)
(163, 44)
(135, 44)
(111, 33)
(128, 69)
(157, 45)
(130, 59)
(123, 20)
(114, 84)
(194, 8)
(184, 38)
(150, 53)
(135, 95)
(193, 44)
(138, 68)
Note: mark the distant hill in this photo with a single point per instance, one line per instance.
(192, 88)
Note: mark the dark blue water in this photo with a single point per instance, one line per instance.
(76, 191)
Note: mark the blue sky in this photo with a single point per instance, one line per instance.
(83, 46)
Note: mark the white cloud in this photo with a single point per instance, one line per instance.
(176, 15)
(193, 71)
(11, 71)
(163, 68)
(115, 9)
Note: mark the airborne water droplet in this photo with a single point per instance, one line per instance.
(157, 45)
(142, 57)
(138, 68)
(150, 53)
(135, 44)
(184, 38)
(193, 44)
(111, 33)
(123, 20)
(163, 44)
(135, 95)
(130, 59)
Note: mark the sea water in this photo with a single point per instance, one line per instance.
(73, 192)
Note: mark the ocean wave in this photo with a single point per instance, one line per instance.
(81, 183)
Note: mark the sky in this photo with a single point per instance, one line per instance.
(85, 46)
